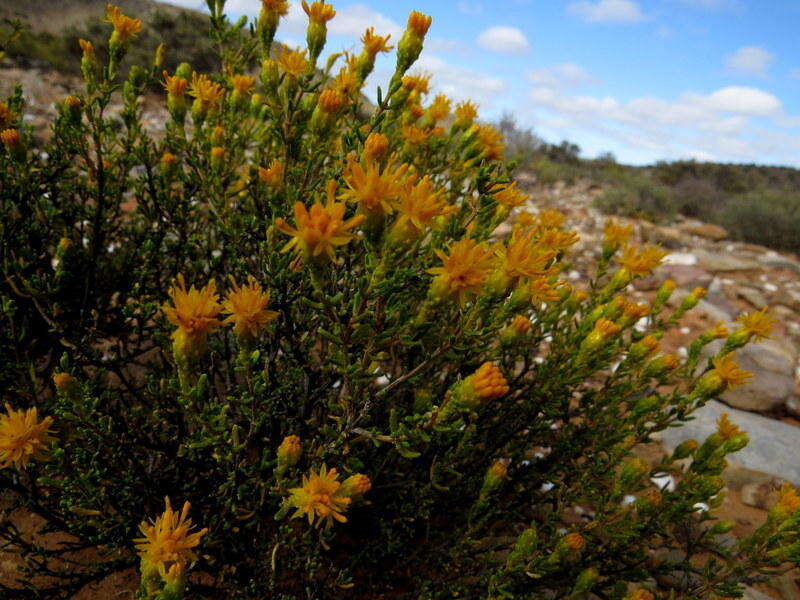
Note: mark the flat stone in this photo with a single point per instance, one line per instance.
(753, 297)
(772, 448)
(773, 385)
(719, 262)
(708, 231)
(685, 276)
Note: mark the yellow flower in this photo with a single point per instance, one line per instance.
(639, 262)
(10, 138)
(420, 205)
(320, 498)
(757, 325)
(247, 307)
(289, 451)
(491, 141)
(464, 271)
(419, 23)
(293, 62)
(330, 101)
(789, 502)
(719, 331)
(169, 541)
(465, 113)
(194, 312)
(175, 86)
(373, 43)
(727, 370)
(376, 146)
(23, 437)
(205, 91)
(319, 230)
(87, 47)
(277, 7)
(521, 258)
(616, 235)
(439, 108)
(243, 84)
(319, 12)
(633, 311)
(356, 486)
(488, 382)
(125, 27)
(521, 325)
(414, 135)
(557, 240)
(347, 82)
(574, 541)
(63, 382)
(550, 219)
(272, 176)
(508, 196)
(418, 84)
(374, 189)
(726, 429)
(540, 290)
(6, 115)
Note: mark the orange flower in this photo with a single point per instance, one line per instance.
(272, 176)
(374, 189)
(175, 86)
(276, 7)
(420, 205)
(521, 258)
(243, 84)
(727, 369)
(419, 23)
(465, 114)
(639, 262)
(168, 541)
(194, 312)
(320, 229)
(23, 437)
(318, 12)
(439, 108)
(125, 27)
(375, 146)
(757, 325)
(247, 307)
(464, 271)
(320, 498)
(293, 62)
(373, 43)
(726, 429)
(492, 142)
(488, 382)
(330, 101)
(417, 83)
(206, 92)
(509, 196)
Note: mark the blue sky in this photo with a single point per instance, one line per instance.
(645, 79)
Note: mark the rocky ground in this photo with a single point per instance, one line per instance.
(739, 277)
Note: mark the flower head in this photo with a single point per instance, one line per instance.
(789, 501)
(294, 62)
(421, 203)
(557, 240)
(289, 451)
(491, 140)
(509, 196)
(522, 257)
(374, 188)
(757, 325)
(330, 101)
(419, 23)
(10, 138)
(318, 12)
(574, 541)
(639, 262)
(276, 7)
(375, 146)
(175, 86)
(374, 43)
(194, 312)
(207, 92)
(540, 290)
(125, 27)
(726, 429)
(273, 175)
(464, 270)
(319, 229)
(247, 307)
(243, 84)
(487, 383)
(419, 84)
(320, 498)
(728, 370)
(356, 486)
(6, 115)
(465, 113)
(439, 108)
(616, 235)
(550, 219)
(169, 540)
(23, 437)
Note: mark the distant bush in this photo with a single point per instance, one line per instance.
(770, 218)
(636, 195)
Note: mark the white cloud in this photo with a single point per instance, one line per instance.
(732, 123)
(350, 21)
(461, 83)
(750, 60)
(504, 39)
(607, 11)
(560, 75)
(743, 101)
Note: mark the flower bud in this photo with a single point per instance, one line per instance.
(495, 475)
(516, 331)
(664, 293)
(167, 163)
(721, 527)
(158, 58)
(217, 157)
(376, 146)
(524, 547)
(356, 486)
(12, 141)
(410, 46)
(585, 581)
(661, 365)
(319, 14)
(65, 383)
(632, 472)
(684, 449)
(72, 109)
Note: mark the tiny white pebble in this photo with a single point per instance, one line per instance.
(547, 486)
(702, 507)
(770, 287)
(685, 330)
(683, 352)
(628, 500)
(665, 482)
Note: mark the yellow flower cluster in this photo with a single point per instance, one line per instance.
(23, 437)
(323, 499)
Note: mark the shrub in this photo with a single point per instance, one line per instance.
(636, 195)
(297, 319)
(770, 218)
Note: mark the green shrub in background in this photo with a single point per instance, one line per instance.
(293, 323)
(636, 195)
